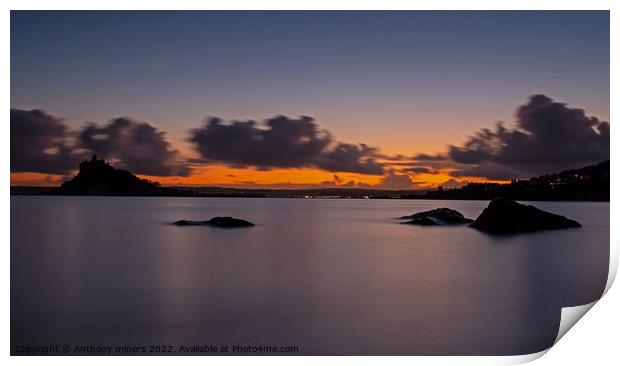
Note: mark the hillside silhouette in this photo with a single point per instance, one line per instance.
(590, 183)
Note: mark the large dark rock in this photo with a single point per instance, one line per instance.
(438, 216)
(504, 216)
(225, 222)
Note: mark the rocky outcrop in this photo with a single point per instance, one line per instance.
(224, 222)
(439, 216)
(504, 216)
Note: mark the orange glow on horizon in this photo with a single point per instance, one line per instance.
(36, 179)
(220, 175)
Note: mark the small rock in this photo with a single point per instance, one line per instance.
(225, 222)
(438, 216)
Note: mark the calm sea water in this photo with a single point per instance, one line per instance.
(332, 277)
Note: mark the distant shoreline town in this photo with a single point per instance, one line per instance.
(98, 178)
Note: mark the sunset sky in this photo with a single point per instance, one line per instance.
(400, 100)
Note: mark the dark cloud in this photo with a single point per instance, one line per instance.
(548, 137)
(350, 158)
(427, 157)
(38, 143)
(491, 171)
(136, 146)
(419, 170)
(282, 142)
(425, 163)
(42, 143)
(393, 158)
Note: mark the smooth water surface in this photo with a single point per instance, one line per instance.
(332, 277)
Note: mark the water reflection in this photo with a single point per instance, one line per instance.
(332, 277)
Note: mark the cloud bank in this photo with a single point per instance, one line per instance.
(39, 143)
(548, 137)
(137, 146)
(282, 142)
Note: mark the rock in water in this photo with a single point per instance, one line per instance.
(504, 216)
(225, 222)
(229, 222)
(438, 216)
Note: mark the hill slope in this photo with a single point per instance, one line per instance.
(590, 183)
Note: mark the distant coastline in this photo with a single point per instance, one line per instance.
(97, 178)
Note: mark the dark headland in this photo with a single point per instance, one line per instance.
(98, 178)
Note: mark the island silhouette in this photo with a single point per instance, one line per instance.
(98, 178)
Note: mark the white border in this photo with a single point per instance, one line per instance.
(603, 324)
(315, 5)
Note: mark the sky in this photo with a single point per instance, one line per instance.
(406, 99)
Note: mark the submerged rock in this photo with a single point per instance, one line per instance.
(225, 222)
(438, 216)
(504, 216)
